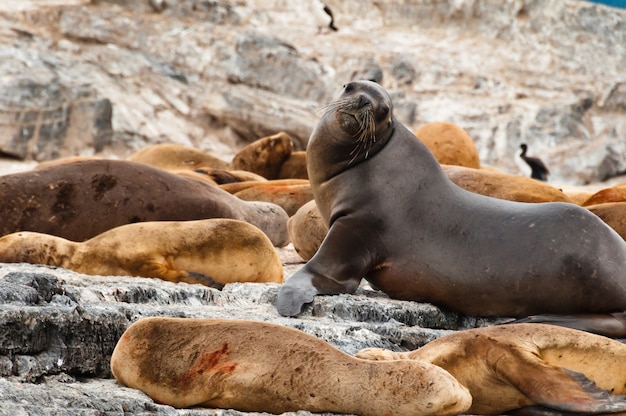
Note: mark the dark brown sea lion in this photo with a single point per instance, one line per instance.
(552, 370)
(265, 156)
(263, 367)
(397, 220)
(212, 252)
(80, 200)
(294, 167)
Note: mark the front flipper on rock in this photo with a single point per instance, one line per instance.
(294, 294)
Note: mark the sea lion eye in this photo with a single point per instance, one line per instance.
(384, 110)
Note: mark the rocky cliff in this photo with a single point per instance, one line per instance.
(110, 76)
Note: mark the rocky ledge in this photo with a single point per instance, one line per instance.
(59, 328)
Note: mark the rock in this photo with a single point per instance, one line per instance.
(217, 75)
(58, 327)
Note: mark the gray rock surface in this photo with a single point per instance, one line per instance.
(59, 328)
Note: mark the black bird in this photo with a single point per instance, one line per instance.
(324, 15)
(539, 169)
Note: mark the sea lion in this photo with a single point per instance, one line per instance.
(613, 214)
(504, 185)
(263, 367)
(396, 219)
(235, 187)
(307, 230)
(289, 197)
(521, 365)
(171, 156)
(80, 200)
(606, 195)
(212, 252)
(224, 176)
(449, 143)
(294, 167)
(264, 156)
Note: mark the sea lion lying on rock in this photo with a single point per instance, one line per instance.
(263, 367)
(80, 200)
(212, 252)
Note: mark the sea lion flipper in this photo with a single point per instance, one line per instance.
(202, 278)
(330, 271)
(559, 388)
(293, 295)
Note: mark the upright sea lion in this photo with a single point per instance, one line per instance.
(82, 199)
(521, 365)
(263, 367)
(212, 252)
(396, 219)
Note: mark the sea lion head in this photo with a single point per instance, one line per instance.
(352, 129)
(35, 248)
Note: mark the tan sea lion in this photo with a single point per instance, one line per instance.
(449, 143)
(517, 366)
(294, 167)
(307, 230)
(504, 185)
(80, 200)
(212, 252)
(612, 213)
(224, 176)
(263, 367)
(235, 187)
(396, 219)
(171, 156)
(265, 156)
(612, 194)
(289, 197)
(577, 195)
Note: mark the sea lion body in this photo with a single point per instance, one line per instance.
(80, 200)
(212, 252)
(397, 220)
(449, 143)
(263, 367)
(520, 365)
(172, 156)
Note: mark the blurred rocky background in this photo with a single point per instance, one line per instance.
(107, 77)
